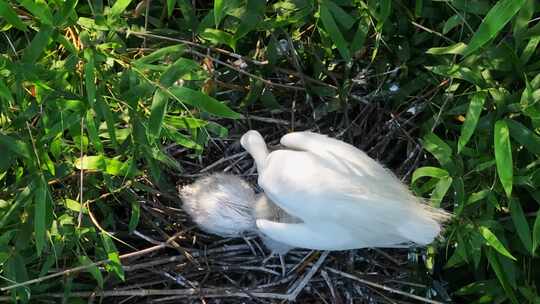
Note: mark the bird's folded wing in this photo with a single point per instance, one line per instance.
(320, 237)
(327, 148)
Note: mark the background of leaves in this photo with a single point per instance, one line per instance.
(100, 87)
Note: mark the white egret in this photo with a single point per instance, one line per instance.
(343, 198)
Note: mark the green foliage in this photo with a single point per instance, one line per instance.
(84, 91)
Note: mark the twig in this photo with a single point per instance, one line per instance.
(305, 280)
(383, 287)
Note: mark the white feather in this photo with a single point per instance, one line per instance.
(344, 198)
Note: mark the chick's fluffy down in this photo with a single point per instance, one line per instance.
(220, 204)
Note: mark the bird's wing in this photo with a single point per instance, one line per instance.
(327, 148)
(320, 237)
(322, 191)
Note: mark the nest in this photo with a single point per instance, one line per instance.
(185, 265)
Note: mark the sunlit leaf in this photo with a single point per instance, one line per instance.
(498, 16)
(203, 102)
(473, 113)
(119, 7)
(503, 156)
(494, 242)
(333, 31)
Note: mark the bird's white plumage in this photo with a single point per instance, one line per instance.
(344, 198)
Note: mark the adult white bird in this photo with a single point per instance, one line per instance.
(343, 198)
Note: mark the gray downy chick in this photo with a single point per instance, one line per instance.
(226, 205)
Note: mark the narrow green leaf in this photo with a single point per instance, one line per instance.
(39, 9)
(177, 50)
(170, 7)
(157, 113)
(89, 77)
(536, 232)
(16, 146)
(119, 7)
(219, 11)
(333, 31)
(428, 172)
(33, 51)
(498, 16)
(457, 48)
(135, 216)
(114, 264)
(11, 16)
(494, 242)
(203, 102)
(521, 224)
(451, 23)
(40, 216)
(219, 37)
(503, 155)
(524, 136)
(75, 206)
(177, 70)
(471, 120)
(340, 15)
(92, 270)
(436, 146)
(441, 188)
(501, 275)
(5, 93)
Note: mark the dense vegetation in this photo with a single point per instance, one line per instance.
(92, 92)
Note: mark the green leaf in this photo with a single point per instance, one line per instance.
(428, 172)
(203, 102)
(498, 16)
(503, 155)
(524, 136)
(135, 216)
(157, 113)
(219, 11)
(340, 15)
(112, 254)
(441, 188)
(451, 23)
(92, 270)
(110, 166)
(119, 7)
(457, 48)
(16, 146)
(33, 51)
(40, 215)
(501, 275)
(177, 50)
(439, 149)
(471, 120)
(75, 206)
(11, 16)
(494, 242)
(89, 77)
(177, 70)
(520, 222)
(39, 9)
(5, 93)
(333, 31)
(170, 7)
(219, 37)
(536, 232)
